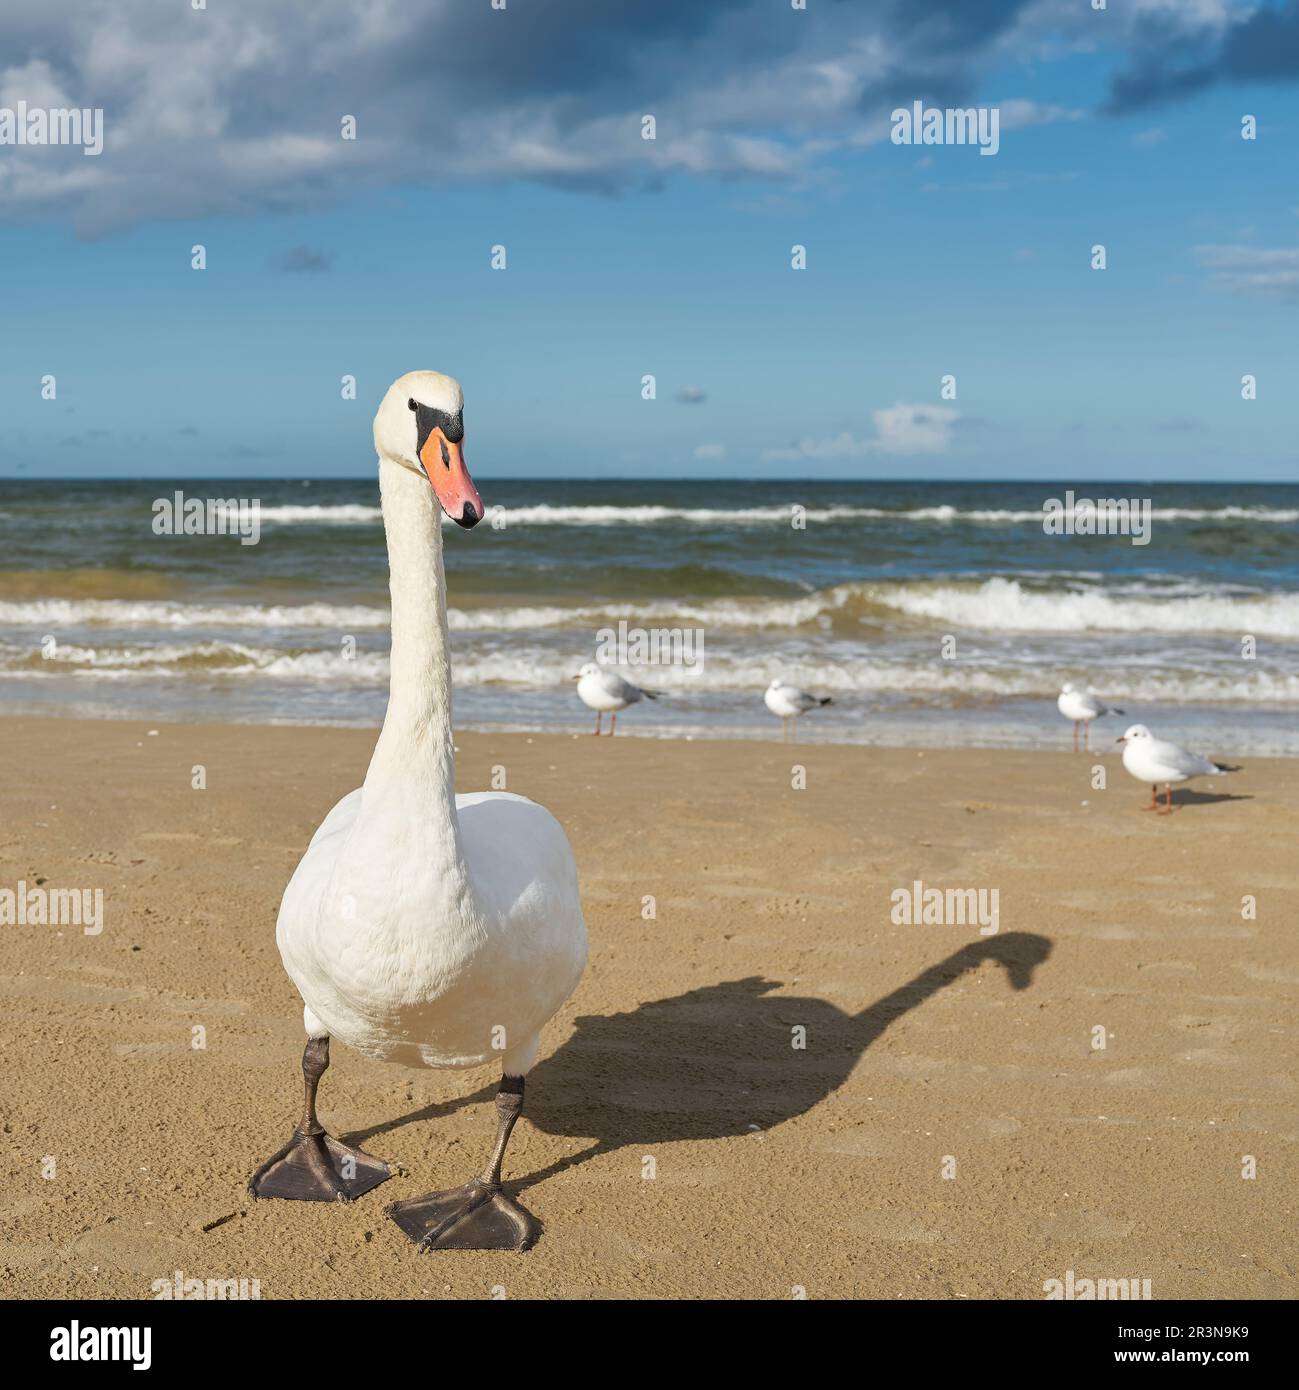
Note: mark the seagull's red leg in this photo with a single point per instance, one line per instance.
(613, 723)
(598, 717)
(1075, 736)
(1154, 799)
(1087, 736)
(1168, 800)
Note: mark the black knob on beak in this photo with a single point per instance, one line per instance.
(469, 518)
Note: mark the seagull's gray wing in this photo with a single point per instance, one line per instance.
(1182, 760)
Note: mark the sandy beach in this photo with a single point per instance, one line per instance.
(949, 1128)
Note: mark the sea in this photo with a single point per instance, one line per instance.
(932, 614)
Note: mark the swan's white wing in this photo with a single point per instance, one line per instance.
(339, 819)
(525, 878)
(391, 977)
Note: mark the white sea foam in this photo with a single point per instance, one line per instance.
(548, 514)
(56, 613)
(993, 605)
(342, 514)
(1004, 604)
(734, 678)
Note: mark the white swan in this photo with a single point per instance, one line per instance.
(1082, 706)
(421, 926)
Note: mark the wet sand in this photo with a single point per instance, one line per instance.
(677, 1142)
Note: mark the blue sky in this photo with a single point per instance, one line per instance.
(627, 257)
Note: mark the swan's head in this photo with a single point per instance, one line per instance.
(1135, 731)
(420, 425)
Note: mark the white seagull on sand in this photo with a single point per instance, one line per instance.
(1082, 706)
(1155, 760)
(788, 702)
(606, 693)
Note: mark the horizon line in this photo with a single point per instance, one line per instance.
(629, 478)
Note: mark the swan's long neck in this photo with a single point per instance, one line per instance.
(413, 770)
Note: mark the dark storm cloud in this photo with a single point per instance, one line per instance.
(237, 108)
(1258, 47)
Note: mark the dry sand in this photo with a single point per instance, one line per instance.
(775, 1168)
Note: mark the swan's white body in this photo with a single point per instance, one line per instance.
(422, 926)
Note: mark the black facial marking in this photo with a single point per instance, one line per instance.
(427, 420)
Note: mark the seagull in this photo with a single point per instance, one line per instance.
(788, 702)
(603, 691)
(1082, 707)
(1155, 760)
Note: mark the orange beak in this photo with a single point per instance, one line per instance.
(444, 462)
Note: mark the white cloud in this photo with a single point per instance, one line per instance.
(1272, 272)
(915, 429)
(1019, 113)
(707, 452)
(236, 108)
(900, 429)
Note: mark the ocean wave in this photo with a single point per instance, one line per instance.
(342, 514)
(994, 605)
(551, 514)
(56, 613)
(994, 516)
(1005, 605)
(723, 677)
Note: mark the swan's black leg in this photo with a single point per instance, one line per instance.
(313, 1166)
(477, 1216)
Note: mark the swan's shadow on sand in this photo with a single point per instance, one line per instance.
(714, 1062)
